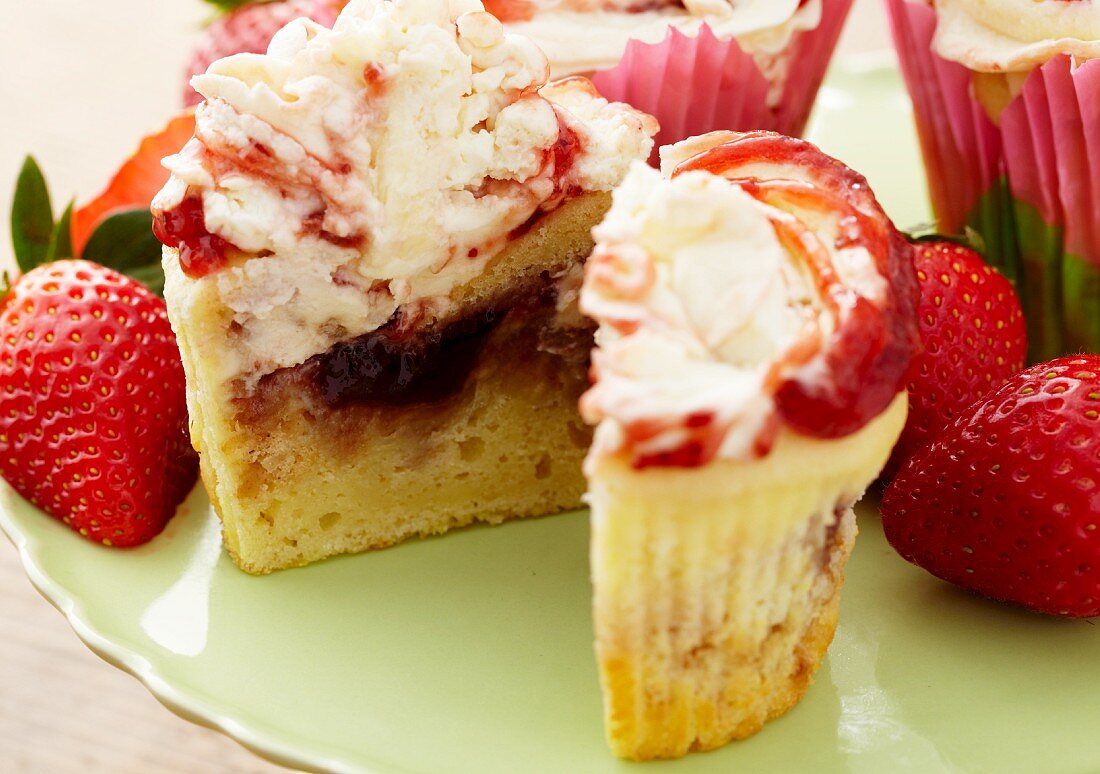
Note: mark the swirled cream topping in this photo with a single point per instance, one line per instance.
(727, 285)
(1015, 35)
(583, 36)
(350, 172)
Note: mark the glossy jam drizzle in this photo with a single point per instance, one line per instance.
(184, 228)
(829, 389)
(565, 150)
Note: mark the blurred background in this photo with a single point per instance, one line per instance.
(82, 83)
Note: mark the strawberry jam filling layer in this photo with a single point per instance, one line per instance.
(757, 285)
(405, 363)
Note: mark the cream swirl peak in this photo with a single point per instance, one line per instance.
(581, 36)
(351, 172)
(1015, 35)
(756, 282)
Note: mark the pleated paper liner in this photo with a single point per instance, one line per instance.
(1027, 183)
(698, 84)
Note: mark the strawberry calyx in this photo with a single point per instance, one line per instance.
(929, 233)
(115, 229)
(228, 6)
(36, 237)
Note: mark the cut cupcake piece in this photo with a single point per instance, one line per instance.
(757, 316)
(373, 250)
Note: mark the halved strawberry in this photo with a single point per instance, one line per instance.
(512, 10)
(136, 182)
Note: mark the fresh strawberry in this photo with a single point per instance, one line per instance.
(1006, 502)
(974, 338)
(136, 182)
(93, 421)
(248, 29)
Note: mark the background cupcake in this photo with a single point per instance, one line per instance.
(1007, 102)
(697, 65)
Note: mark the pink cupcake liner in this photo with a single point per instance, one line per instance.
(1052, 150)
(1051, 134)
(961, 146)
(1027, 185)
(698, 84)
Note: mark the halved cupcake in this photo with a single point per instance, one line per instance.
(757, 317)
(373, 251)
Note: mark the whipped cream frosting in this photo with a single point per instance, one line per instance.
(703, 303)
(580, 37)
(1015, 35)
(381, 164)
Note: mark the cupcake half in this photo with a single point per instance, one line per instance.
(697, 65)
(373, 254)
(756, 319)
(1005, 101)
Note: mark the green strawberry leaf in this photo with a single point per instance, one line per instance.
(31, 217)
(61, 240)
(227, 6)
(125, 242)
(926, 232)
(151, 276)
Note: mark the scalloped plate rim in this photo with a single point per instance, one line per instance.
(179, 702)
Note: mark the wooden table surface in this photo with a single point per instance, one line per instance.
(81, 83)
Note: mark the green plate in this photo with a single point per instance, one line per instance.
(473, 652)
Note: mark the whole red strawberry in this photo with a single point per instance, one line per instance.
(973, 334)
(248, 29)
(93, 421)
(1006, 502)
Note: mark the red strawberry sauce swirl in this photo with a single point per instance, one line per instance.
(848, 362)
(832, 388)
(183, 226)
(202, 252)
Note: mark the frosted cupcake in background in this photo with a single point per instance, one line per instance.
(696, 65)
(1005, 95)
